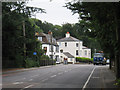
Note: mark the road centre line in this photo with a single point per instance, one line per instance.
(53, 76)
(17, 83)
(88, 79)
(28, 86)
(44, 79)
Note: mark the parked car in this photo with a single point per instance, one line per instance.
(57, 62)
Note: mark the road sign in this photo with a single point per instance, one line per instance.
(34, 53)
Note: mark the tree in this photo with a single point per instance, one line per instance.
(13, 15)
(105, 20)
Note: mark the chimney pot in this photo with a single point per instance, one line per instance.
(67, 34)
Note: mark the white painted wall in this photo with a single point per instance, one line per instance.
(48, 53)
(68, 59)
(88, 54)
(71, 47)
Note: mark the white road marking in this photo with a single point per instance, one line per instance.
(53, 76)
(44, 79)
(17, 82)
(88, 79)
(29, 86)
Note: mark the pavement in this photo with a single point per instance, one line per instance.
(61, 76)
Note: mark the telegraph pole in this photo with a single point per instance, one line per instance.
(51, 45)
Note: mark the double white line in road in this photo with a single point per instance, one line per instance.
(88, 79)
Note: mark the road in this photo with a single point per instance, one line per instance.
(61, 76)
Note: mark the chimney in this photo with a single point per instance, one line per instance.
(67, 34)
(50, 33)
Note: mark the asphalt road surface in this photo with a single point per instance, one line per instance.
(60, 76)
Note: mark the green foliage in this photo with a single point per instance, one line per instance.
(44, 57)
(83, 59)
(31, 63)
(104, 24)
(118, 81)
(13, 15)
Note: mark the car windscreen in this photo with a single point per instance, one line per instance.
(98, 55)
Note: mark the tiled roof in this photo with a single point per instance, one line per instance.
(68, 39)
(68, 55)
(47, 39)
(83, 47)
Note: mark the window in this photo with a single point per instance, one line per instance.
(76, 44)
(40, 38)
(51, 56)
(76, 52)
(65, 44)
(57, 48)
(51, 48)
(86, 52)
(45, 49)
(81, 52)
(89, 53)
(57, 57)
(61, 51)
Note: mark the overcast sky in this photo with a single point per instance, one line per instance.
(55, 12)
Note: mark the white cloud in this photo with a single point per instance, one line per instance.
(56, 13)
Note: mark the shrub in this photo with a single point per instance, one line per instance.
(83, 59)
(44, 57)
(31, 63)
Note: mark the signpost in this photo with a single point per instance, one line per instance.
(34, 53)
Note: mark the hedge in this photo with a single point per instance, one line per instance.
(36, 62)
(83, 59)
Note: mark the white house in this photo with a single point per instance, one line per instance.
(86, 52)
(49, 44)
(73, 46)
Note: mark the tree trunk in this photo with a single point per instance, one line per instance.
(112, 61)
(117, 66)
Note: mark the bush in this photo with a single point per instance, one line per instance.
(83, 59)
(31, 63)
(44, 57)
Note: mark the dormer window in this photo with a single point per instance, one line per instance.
(40, 38)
